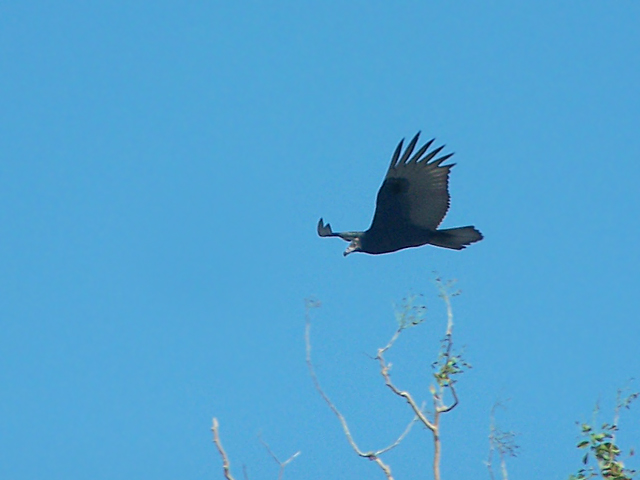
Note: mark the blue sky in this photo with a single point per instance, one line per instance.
(162, 171)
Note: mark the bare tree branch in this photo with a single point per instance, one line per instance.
(400, 438)
(273, 455)
(448, 364)
(501, 442)
(384, 370)
(226, 466)
(446, 296)
(371, 455)
(448, 341)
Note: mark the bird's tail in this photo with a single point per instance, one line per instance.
(455, 238)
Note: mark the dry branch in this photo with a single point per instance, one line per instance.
(371, 455)
(273, 455)
(226, 466)
(447, 366)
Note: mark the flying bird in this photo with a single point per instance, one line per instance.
(411, 204)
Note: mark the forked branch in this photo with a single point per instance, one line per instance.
(446, 366)
(273, 455)
(371, 455)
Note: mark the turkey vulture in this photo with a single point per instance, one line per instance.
(411, 203)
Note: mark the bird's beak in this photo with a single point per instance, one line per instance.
(350, 248)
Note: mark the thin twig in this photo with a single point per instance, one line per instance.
(384, 370)
(444, 288)
(501, 441)
(489, 464)
(400, 438)
(439, 407)
(442, 408)
(432, 426)
(371, 455)
(273, 455)
(226, 466)
(492, 446)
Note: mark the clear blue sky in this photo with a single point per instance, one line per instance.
(162, 171)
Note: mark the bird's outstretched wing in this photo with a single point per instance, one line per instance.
(326, 231)
(415, 190)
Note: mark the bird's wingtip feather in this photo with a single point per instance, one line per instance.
(396, 153)
(409, 150)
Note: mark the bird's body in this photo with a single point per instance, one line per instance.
(411, 204)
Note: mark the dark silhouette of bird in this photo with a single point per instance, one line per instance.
(411, 204)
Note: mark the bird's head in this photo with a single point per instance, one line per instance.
(354, 246)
